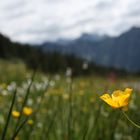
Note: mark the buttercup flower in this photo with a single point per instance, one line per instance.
(118, 98)
(15, 114)
(27, 111)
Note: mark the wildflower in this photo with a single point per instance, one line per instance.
(118, 98)
(68, 72)
(30, 121)
(30, 101)
(85, 66)
(27, 111)
(39, 125)
(65, 96)
(15, 114)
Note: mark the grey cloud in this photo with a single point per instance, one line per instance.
(17, 14)
(104, 4)
(134, 13)
(14, 4)
(27, 20)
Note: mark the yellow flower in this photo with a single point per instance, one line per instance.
(65, 96)
(27, 111)
(30, 122)
(118, 98)
(15, 114)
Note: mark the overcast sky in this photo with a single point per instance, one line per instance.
(35, 21)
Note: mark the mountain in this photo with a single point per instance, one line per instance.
(44, 61)
(122, 52)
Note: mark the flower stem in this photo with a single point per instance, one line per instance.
(127, 117)
(9, 116)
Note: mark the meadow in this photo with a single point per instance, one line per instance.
(63, 107)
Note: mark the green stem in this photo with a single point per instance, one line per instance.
(127, 117)
(9, 116)
(25, 100)
(18, 129)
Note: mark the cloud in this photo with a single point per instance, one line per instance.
(36, 21)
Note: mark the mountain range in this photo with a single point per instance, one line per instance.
(121, 52)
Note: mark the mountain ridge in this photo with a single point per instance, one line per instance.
(122, 52)
(107, 51)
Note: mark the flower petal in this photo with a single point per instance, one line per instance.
(128, 91)
(124, 100)
(117, 93)
(107, 98)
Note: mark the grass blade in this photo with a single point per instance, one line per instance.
(9, 116)
(25, 100)
(18, 129)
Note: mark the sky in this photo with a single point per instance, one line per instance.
(36, 21)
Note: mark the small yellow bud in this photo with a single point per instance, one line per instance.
(27, 111)
(15, 114)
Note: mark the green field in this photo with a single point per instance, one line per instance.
(65, 108)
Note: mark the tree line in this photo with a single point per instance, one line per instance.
(48, 62)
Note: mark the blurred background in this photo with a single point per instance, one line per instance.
(51, 35)
(61, 56)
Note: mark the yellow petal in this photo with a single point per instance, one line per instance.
(15, 114)
(27, 111)
(117, 93)
(107, 98)
(124, 100)
(128, 91)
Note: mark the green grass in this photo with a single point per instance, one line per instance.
(65, 110)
